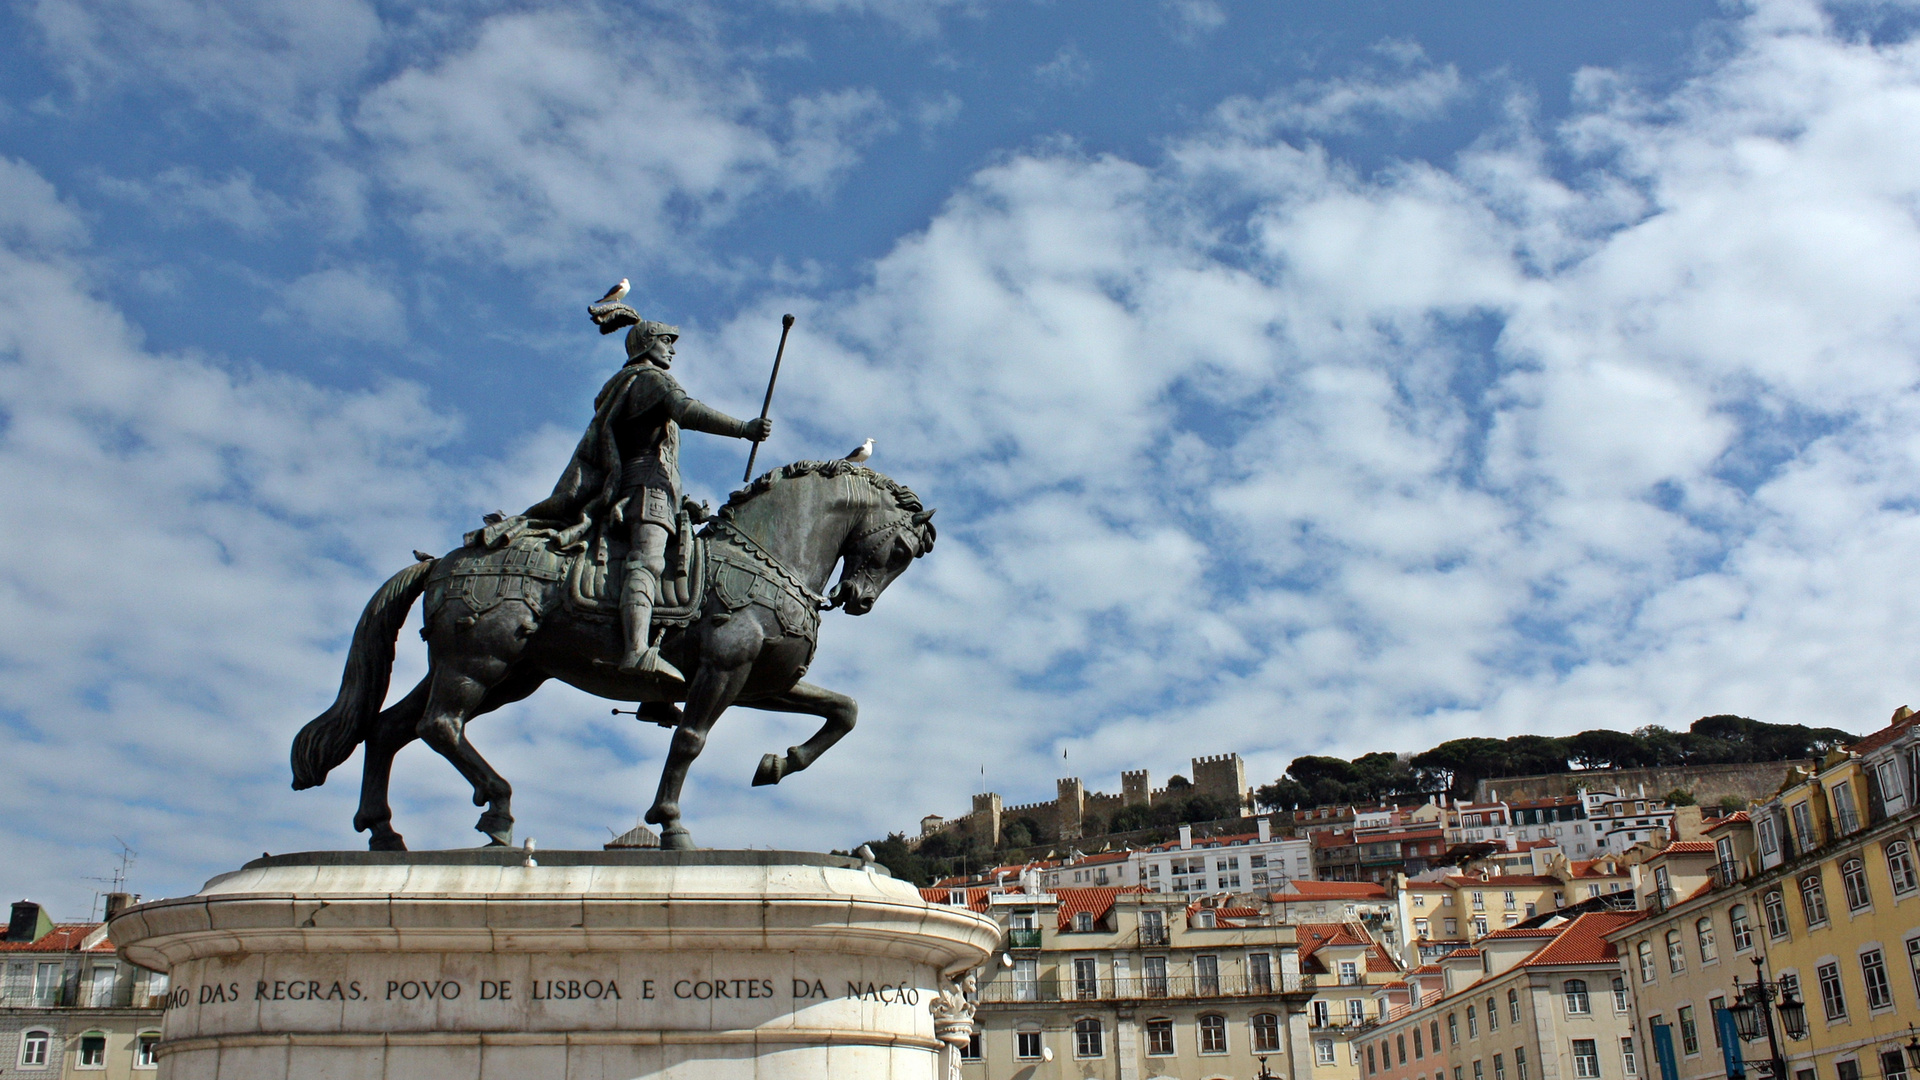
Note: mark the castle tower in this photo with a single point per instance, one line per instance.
(986, 817)
(1223, 776)
(1072, 804)
(1135, 789)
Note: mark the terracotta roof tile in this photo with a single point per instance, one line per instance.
(65, 937)
(1584, 940)
(1689, 847)
(1885, 735)
(1331, 890)
(1097, 901)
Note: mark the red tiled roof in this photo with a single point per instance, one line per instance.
(65, 937)
(1331, 890)
(1593, 868)
(1524, 932)
(1584, 940)
(1689, 847)
(1098, 900)
(1464, 954)
(1885, 735)
(1738, 817)
(976, 895)
(1503, 881)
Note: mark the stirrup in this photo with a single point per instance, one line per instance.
(650, 662)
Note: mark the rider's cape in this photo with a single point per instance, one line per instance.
(591, 485)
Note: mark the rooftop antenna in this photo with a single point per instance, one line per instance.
(117, 882)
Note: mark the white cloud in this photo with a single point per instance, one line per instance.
(1069, 69)
(182, 195)
(350, 303)
(556, 131)
(1413, 90)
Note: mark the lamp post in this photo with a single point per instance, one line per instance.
(1754, 1015)
(1265, 1075)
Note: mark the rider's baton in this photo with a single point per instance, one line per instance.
(786, 324)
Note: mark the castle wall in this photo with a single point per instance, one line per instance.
(1708, 783)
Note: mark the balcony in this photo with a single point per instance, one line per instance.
(1143, 988)
(1726, 875)
(1023, 939)
(1153, 935)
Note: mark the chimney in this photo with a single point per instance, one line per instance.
(118, 902)
(1186, 838)
(1266, 829)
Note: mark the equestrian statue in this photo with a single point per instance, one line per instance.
(617, 584)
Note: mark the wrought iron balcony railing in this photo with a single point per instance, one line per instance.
(1143, 988)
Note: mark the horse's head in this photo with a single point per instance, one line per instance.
(876, 555)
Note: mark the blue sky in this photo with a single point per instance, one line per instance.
(1320, 377)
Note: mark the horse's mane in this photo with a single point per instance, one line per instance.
(903, 497)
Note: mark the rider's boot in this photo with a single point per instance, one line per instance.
(636, 617)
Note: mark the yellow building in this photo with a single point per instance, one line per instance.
(1351, 973)
(1819, 884)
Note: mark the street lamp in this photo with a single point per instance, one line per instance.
(1265, 1075)
(1913, 1049)
(1753, 1016)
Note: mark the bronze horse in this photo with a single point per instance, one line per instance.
(748, 643)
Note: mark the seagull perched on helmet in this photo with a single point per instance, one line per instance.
(862, 452)
(614, 295)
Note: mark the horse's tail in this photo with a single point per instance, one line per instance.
(328, 739)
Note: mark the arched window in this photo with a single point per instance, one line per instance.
(1265, 1028)
(1774, 903)
(1087, 1042)
(1473, 1023)
(1160, 1037)
(92, 1050)
(34, 1049)
(1900, 867)
(1813, 898)
(1703, 934)
(1493, 1015)
(1644, 951)
(1213, 1035)
(1576, 992)
(1676, 953)
(1742, 927)
(146, 1050)
(1513, 1006)
(1619, 994)
(1853, 874)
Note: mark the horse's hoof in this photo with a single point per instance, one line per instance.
(393, 841)
(676, 838)
(658, 815)
(772, 768)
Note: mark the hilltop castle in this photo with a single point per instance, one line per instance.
(1220, 776)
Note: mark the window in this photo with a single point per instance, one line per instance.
(1629, 1064)
(1479, 1073)
(1586, 1060)
(46, 984)
(1764, 832)
(1499, 1067)
(1321, 1013)
(1775, 906)
(146, 1050)
(1513, 1004)
(1349, 973)
(1619, 995)
(1260, 972)
(1715, 1006)
(1420, 928)
(1703, 935)
(1645, 952)
(1322, 1048)
(1900, 867)
(1419, 1044)
(1493, 1016)
(1026, 979)
(1873, 971)
(1083, 922)
(1847, 1070)
(1156, 976)
(100, 990)
(1853, 876)
(1370, 1069)
(1676, 953)
(1846, 818)
(93, 1050)
(969, 1052)
(1742, 929)
(1026, 1045)
(1520, 1062)
(1453, 1030)
(1509, 898)
(1473, 1024)
(1813, 899)
(1086, 978)
(1832, 996)
(1087, 1042)
(1576, 992)
(1893, 1065)
(1803, 826)
(1213, 1034)
(1480, 926)
(1402, 1041)
(1206, 975)
(1265, 1030)
(1479, 901)
(33, 1049)
(1435, 1029)
(1913, 962)
(1689, 1031)
(1453, 928)
(1356, 1011)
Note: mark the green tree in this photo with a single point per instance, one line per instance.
(1604, 748)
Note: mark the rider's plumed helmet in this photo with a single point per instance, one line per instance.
(644, 332)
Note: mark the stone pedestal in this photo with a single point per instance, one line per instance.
(609, 965)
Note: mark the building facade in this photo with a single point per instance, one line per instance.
(69, 1008)
(1124, 984)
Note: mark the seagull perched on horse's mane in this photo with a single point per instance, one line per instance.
(614, 295)
(862, 452)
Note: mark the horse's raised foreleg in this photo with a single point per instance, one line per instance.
(708, 695)
(837, 710)
(395, 728)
